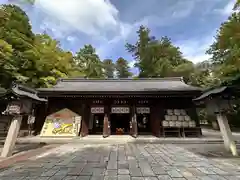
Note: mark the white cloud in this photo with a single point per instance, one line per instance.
(165, 17)
(227, 9)
(71, 38)
(195, 49)
(183, 9)
(88, 16)
(98, 17)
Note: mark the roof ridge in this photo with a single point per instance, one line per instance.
(24, 88)
(119, 79)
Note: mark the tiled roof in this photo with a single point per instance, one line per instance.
(27, 92)
(211, 92)
(22, 91)
(227, 91)
(120, 85)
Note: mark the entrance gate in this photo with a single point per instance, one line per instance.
(96, 121)
(120, 120)
(143, 120)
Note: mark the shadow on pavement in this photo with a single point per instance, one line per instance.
(26, 147)
(210, 150)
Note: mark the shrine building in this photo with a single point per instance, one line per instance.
(157, 106)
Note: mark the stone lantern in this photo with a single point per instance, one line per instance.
(218, 102)
(16, 109)
(21, 101)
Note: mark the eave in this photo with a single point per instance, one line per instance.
(111, 93)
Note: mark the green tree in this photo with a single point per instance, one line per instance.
(109, 68)
(89, 62)
(122, 68)
(6, 63)
(16, 31)
(140, 51)
(51, 62)
(225, 51)
(157, 58)
(203, 75)
(35, 60)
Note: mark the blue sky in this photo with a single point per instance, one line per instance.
(109, 24)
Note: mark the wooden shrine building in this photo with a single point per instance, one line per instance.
(123, 106)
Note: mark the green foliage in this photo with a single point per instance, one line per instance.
(122, 68)
(158, 58)
(89, 62)
(16, 38)
(35, 60)
(109, 68)
(225, 50)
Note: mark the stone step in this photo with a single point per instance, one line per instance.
(119, 139)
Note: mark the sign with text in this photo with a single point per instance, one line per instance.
(97, 110)
(120, 110)
(143, 110)
(14, 108)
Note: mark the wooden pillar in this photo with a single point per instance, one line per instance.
(228, 139)
(12, 136)
(84, 126)
(155, 121)
(106, 123)
(134, 128)
(106, 126)
(41, 114)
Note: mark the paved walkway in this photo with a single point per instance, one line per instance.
(122, 162)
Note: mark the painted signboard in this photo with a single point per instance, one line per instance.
(62, 123)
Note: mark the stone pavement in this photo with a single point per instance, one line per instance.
(130, 161)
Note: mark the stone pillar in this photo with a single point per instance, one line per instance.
(12, 136)
(228, 139)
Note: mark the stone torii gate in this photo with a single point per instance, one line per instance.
(218, 101)
(20, 101)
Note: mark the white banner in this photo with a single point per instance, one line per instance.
(78, 119)
(120, 110)
(97, 110)
(143, 110)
